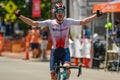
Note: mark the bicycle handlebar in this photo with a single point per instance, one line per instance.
(70, 67)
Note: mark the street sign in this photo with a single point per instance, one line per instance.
(10, 16)
(10, 7)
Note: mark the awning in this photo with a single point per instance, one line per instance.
(107, 7)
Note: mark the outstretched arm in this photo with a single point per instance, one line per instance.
(88, 19)
(25, 19)
(91, 18)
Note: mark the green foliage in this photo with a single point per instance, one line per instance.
(2, 12)
(26, 10)
(45, 9)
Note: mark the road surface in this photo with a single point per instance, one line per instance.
(18, 69)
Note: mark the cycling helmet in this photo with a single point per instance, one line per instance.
(59, 5)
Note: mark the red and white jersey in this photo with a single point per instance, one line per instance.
(59, 32)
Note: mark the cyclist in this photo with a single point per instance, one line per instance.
(59, 29)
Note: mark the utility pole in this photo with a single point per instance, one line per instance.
(67, 10)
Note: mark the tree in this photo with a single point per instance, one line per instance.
(25, 8)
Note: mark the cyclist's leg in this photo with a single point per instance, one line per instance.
(68, 70)
(52, 62)
(54, 76)
(66, 61)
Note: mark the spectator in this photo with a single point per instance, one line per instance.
(85, 32)
(34, 38)
(86, 47)
(77, 50)
(71, 46)
(117, 32)
(109, 26)
(44, 43)
(112, 46)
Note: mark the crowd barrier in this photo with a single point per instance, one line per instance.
(14, 45)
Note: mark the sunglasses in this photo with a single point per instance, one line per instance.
(60, 10)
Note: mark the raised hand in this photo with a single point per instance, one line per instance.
(99, 13)
(17, 13)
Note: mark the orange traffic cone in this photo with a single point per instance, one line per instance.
(1, 43)
(27, 55)
(27, 47)
(84, 62)
(76, 61)
(0, 52)
(89, 63)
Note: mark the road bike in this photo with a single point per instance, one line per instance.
(62, 75)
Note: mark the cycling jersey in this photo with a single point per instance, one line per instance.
(59, 32)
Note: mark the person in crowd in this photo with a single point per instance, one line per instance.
(86, 32)
(59, 30)
(112, 45)
(44, 44)
(117, 34)
(77, 50)
(71, 46)
(86, 47)
(34, 41)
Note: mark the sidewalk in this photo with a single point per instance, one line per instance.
(20, 55)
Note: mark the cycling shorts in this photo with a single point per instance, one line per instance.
(66, 59)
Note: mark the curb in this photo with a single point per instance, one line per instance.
(21, 55)
(18, 55)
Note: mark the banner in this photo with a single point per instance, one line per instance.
(115, 0)
(36, 12)
(107, 7)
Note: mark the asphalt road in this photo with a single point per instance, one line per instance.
(18, 69)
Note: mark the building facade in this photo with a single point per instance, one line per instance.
(79, 9)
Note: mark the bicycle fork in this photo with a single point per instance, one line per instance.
(64, 75)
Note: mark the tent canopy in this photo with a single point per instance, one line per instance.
(107, 7)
